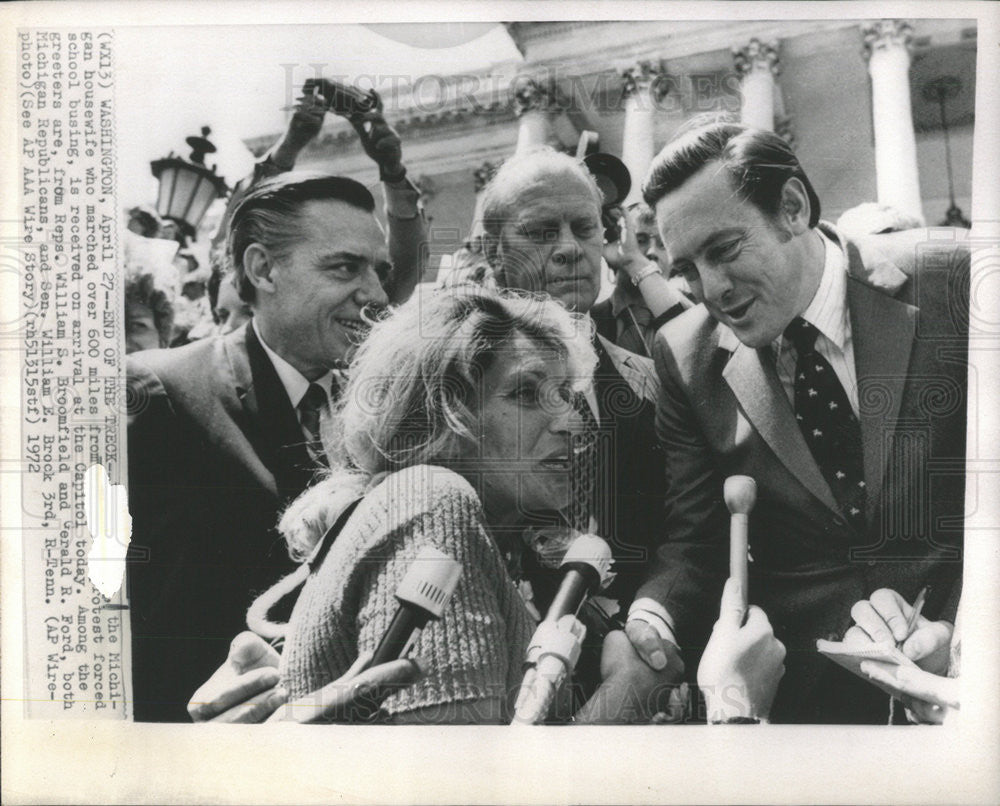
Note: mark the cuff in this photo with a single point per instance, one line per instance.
(401, 199)
(656, 616)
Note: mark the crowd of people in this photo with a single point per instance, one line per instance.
(286, 470)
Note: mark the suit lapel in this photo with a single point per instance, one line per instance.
(882, 330)
(752, 377)
(266, 402)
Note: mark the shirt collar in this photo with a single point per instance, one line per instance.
(827, 311)
(295, 383)
(621, 299)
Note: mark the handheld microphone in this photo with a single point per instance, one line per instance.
(422, 595)
(585, 568)
(555, 646)
(740, 494)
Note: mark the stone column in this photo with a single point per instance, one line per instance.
(535, 102)
(643, 89)
(886, 46)
(757, 65)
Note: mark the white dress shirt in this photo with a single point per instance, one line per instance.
(295, 383)
(829, 315)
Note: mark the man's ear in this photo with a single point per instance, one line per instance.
(257, 266)
(795, 210)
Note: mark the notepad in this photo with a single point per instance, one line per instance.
(851, 654)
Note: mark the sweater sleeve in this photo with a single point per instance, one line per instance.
(467, 653)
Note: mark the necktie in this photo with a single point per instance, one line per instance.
(635, 325)
(826, 420)
(311, 407)
(583, 468)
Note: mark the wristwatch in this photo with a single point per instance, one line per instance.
(649, 271)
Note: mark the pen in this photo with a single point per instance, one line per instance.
(911, 622)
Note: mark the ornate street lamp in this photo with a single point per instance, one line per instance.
(940, 90)
(188, 187)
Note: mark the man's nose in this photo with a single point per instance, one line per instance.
(716, 285)
(370, 290)
(567, 248)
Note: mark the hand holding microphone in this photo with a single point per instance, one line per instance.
(357, 696)
(555, 646)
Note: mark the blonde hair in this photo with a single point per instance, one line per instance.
(414, 387)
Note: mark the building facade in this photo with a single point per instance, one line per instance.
(877, 110)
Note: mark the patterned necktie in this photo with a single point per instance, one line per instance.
(310, 409)
(826, 420)
(583, 468)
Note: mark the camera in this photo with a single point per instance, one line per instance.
(343, 99)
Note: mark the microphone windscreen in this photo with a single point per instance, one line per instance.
(590, 550)
(430, 581)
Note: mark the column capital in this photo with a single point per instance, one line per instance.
(530, 94)
(885, 34)
(757, 55)
(644, 74)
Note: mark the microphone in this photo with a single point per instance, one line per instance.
(585, 566)
(422, 595)
(555, 646)
(740, 494)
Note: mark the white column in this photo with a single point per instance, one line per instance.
(642, 90)
(535, 103)
(757, 64)
(886, 44)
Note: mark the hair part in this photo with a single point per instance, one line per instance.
(758, 162)
(270, 215)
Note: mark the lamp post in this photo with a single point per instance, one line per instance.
(188, 187)
(940, 90)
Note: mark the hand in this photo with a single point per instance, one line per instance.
(930, 698)
(630, 690)
(883, 618)
(625, 255)
(244, 688)
(649, 646)
(307, 119)
(742, 665)
(355, 696)
(381, 143)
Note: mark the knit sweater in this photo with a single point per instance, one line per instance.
(476, 650)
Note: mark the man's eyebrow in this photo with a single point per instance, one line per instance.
(709, 240)
(352, 256)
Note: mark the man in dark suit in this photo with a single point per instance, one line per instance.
(223, 433)
(831, 371)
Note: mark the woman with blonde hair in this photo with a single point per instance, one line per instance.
(456, 426)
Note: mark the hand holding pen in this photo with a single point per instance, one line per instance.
(886, 617)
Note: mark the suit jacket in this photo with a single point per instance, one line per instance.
(630, 486)
(722, 411)
(215, 452)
